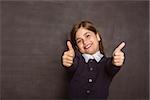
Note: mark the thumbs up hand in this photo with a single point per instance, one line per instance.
(68, 55)
(118, 55)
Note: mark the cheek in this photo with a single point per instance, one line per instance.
(97, 44)
(80, 46)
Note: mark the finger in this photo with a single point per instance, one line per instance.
(118, 57)
(118, 61)
(69, 45)
(118, 53)
(120, 47)
(68, 61)
(68, 58)
(118, 64)
(67, 64)
(68, 53)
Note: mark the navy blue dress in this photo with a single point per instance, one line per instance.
(90, 81)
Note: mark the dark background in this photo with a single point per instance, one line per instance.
(34, 35)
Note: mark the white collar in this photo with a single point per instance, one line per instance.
(97, 56)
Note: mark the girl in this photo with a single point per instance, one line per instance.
(91, 71)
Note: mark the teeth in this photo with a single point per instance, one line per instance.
(87, 46)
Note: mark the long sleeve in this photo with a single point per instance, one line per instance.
(110, 68)
(73, 67)
(75, 64)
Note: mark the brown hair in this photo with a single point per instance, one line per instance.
(87, 25)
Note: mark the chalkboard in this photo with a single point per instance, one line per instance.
(33, 39)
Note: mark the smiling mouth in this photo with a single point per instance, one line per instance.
(87, 46)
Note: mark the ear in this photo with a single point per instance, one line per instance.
(98, 37)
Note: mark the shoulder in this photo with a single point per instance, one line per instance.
(105, 59)
(78, 55)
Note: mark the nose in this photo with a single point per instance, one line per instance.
(84, 41)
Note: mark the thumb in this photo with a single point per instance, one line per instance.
(120, 47)
(69, 45)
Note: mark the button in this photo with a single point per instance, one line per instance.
(88, 91)
(90, 80)
(91, 60)
(91, 68)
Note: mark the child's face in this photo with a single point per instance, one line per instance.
(87, 41)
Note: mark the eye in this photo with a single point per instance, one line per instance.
(87, 35)
(78, 41)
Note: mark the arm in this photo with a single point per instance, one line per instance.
(111, 69)
(118, 55)
(69, 61)
(68, 56)
(116, 61)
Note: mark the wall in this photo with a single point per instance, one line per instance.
(34, 35)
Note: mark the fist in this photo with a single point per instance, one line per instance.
(68, 55)
(118, 55)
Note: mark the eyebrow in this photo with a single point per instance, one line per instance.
(86, 33)
(83, 35)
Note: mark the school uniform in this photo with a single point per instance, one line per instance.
(90, 76)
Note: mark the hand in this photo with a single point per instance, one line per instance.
(69, 55)
(118, 55)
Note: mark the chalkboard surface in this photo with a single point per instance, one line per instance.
(33, 38)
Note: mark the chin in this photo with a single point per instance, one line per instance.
(90, 52)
